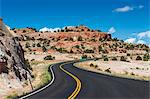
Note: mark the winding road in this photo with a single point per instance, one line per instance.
(71, 82)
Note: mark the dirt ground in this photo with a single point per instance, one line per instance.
(135, 69)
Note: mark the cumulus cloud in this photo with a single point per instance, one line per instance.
(45, 29)
(111, 30)
(144, 34)
(128, 8)
(130, 40)
(124, 9)
(141, 42)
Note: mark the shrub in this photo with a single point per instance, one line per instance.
(38, 45)
(89, 51)
(33, 45)
(91, 65)
(61, 50)
(12, 96)
(24, 31)
(138, 58)
(114, 59)
(95, 66)
(103, 56)
(49, 57)
(28, 64)
(128, 54)
(27, 45)
(100, 48)
(105, 59)
(32, 59)
(84, 56)
(77, 46)
(122, 58)
(146, 57)
(44, 49)
(80, 38)
(108, 70)
(132, 73)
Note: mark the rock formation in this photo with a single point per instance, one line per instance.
(12, 59)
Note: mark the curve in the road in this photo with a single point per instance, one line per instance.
(78, 82)
(34, 92)
(94, 85)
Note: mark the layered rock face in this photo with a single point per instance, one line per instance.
(11, 55)
(68, 32)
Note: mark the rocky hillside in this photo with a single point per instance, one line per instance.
(12, 60)
(74, 39)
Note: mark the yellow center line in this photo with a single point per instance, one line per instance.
(78, 82)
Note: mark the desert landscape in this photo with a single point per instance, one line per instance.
(39, 49)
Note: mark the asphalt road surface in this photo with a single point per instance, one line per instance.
(93, 86)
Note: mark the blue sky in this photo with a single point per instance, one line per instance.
(128, 18)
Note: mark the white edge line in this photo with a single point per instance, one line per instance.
(53, 78)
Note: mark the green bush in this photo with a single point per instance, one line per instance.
(49, 57)
(95, 66)
(114, 59)
(138, 58)
(128, 54)
(44, 49)
(89, 51)
(91, 65)
(122, 58)
(80, 38)
(77, 46)
(28, 64)
(38, 45)
(12, 96)
(146, 57)
(27, 45)
(108, 70)
(105, 59)
(84, 56)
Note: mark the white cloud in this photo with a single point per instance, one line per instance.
(45, 29)
(141, 42)
(128, 8)
(124, 9)
(140, 6)
(130, 40)
(68, 27)
(144, 34)
(111, 30)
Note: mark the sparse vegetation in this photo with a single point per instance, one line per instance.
(80, 38)
(108, 70)
(122, 58)
(38, 45)
(138, 58)
(49, 57)
(91, 65)
(12, 96)
(89, 51)
(44, 49)
(106, 59)
(45, 78)
(114, 59)
(84, 57)
(146, 57)
(28, 64)
(27, 45)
